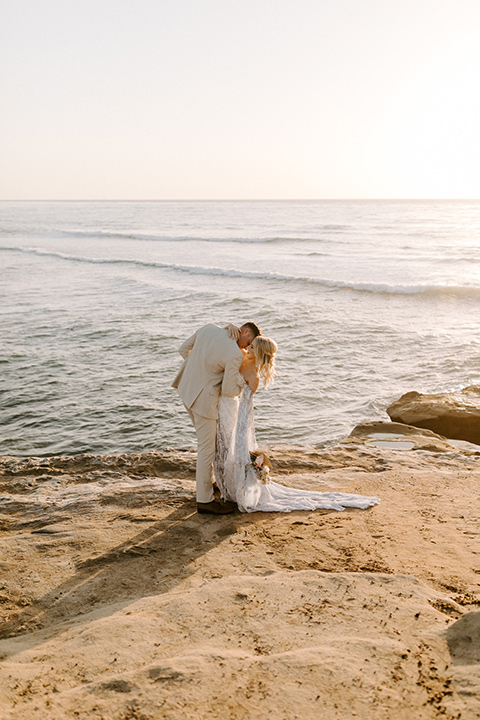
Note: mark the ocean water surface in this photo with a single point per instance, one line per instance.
(366, 300)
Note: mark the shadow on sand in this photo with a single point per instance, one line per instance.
(149, 563)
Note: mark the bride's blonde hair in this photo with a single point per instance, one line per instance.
(264, 350)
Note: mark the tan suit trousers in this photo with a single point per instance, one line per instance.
(206, 430)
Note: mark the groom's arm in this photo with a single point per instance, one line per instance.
(187, 346)
(232, 379)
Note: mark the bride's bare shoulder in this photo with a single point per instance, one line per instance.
(253, 383)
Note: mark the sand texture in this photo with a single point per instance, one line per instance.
(119, 601)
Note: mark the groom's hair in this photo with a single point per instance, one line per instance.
(253, 327)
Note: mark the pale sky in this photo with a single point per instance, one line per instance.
(239, 99)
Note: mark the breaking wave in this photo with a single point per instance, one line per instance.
(185, 238)
(458, 291)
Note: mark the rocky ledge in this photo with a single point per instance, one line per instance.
(119, 602)
(455, 415)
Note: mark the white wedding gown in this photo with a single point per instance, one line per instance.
(237, 479)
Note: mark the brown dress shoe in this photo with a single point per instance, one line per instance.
(214, 508)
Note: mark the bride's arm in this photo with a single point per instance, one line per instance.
(233, 331)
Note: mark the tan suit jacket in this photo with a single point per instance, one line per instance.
(211, 368)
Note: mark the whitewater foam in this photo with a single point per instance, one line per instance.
(374, 288)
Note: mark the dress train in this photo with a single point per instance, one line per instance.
(238, 481)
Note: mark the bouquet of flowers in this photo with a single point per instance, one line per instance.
(260, 462)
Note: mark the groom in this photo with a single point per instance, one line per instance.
(211, 366)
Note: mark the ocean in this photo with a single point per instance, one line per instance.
(366, 300)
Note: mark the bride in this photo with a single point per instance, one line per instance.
(241, 470)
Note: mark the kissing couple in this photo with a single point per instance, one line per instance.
(220, 374)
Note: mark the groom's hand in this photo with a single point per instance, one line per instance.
(233, 331)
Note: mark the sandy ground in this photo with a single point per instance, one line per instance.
(119, 601)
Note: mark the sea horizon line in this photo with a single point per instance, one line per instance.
(236, 200)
